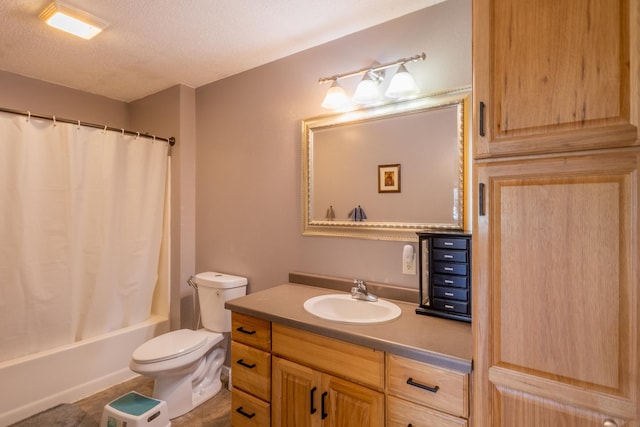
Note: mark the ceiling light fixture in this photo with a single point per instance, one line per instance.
(367, 92)
(72, 20)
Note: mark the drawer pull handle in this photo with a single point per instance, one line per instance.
(324, 413)
(450, 307)
(448, 257)
(422, 386)
(448, 281)
(245, 364)
(610, 423)
(448, 243)
(448, 269)
(313, 409)
(244, 331)
(241, 412)
(448, 294)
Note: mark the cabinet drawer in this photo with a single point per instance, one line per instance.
(248, 411)
(251, 370)
(455, 281)
(451, 293)
(359, 364)
(450, 268)
(407, 378)
(401, 413)
(451, 256)
(450, 305)
(449, 243)
(251, 331)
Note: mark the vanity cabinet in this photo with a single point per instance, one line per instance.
(556, 263)
(251, 371)
(551, 75)
(319, 381)
(422, 395)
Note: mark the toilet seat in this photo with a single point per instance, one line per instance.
(170, 346)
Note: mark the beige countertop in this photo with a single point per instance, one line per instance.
(441, 342)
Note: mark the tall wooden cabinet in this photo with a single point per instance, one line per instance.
(556, 175)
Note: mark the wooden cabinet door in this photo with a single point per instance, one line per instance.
(556, 291)
(554, 74)
(296, 394)
(350, 405)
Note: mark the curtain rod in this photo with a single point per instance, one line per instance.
(170, 140)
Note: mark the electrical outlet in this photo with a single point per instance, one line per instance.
(409, 266)
(408, 260)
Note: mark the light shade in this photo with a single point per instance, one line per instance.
(402, 84)
(336, 98)
(72, 20)
(367, 91)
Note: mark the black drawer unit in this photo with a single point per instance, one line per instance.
(445, 274)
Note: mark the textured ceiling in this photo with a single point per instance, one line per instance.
(151, 45)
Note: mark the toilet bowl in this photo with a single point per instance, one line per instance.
(186, 364)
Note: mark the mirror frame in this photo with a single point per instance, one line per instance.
(400, 231)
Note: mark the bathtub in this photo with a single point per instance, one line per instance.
(37, 382)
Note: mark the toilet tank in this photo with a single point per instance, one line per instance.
(214, 289)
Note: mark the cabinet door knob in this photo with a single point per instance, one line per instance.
(609, 423)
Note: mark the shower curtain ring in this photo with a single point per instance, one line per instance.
(54, 121)
(78, 124)
(28, 116)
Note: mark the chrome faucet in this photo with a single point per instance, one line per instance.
(360, 291)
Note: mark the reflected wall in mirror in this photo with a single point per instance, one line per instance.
(423, 141)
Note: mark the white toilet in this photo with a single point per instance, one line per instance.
(186, 364)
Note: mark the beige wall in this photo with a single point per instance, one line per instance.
(236, 166)
(248, 211)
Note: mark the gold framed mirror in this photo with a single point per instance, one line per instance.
(388, 171)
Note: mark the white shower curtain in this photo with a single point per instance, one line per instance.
(81, 213)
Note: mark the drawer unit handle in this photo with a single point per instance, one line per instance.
(448, 269)
(450, 307)
(448, 256)
(240, 411)
(450, 282)
(323, 414)
(422, 386)
(245, 364)
(448, 294)
(448, 243)
(244, 331)
(313, 409)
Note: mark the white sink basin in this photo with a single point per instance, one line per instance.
(342, 308)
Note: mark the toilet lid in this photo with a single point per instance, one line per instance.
(170, 345)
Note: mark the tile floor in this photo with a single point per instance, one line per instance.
(216, 412)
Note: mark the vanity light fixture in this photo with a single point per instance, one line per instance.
(336, 98)
(72, 20)
(402, 84)
(367, 92)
